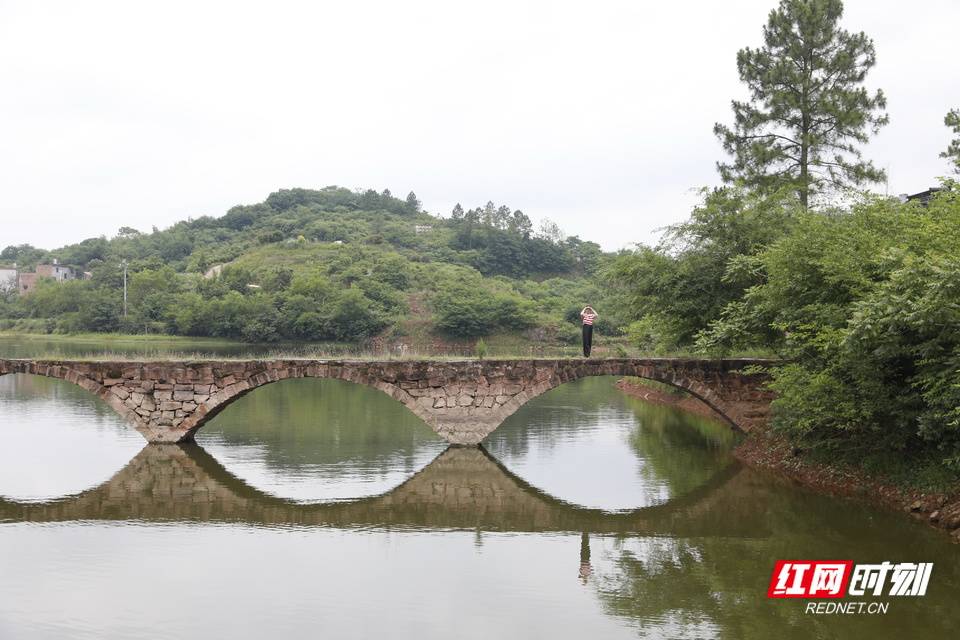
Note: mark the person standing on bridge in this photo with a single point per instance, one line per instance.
(588, 315)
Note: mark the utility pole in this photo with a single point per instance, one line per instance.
(124, 265)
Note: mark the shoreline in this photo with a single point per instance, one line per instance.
(774, 454)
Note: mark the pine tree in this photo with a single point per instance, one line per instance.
(489, 213)
(457, 212)
(808, 109)
(520, 223)
(502, 217)
(470, 220)
(952, 120)
(412, 203)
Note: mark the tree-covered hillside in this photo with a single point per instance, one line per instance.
(312, 265)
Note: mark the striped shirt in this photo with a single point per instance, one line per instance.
(588, 317)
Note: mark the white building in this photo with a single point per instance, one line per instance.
(56, 271)
(8, 279)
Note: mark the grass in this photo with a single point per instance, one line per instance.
(112, 346)
(918, 471)
(160, 339)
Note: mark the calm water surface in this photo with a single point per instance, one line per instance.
(312, 508)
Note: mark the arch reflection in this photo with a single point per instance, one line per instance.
(312, 439)
(57, 438)
(594, 446)
(462, 488)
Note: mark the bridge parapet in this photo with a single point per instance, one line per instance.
(463, 401)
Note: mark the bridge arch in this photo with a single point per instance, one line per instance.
(229, 394)
(76, 375)
(693, 387)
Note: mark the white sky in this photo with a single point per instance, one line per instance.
(597, 115)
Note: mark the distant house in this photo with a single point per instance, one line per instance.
(56, 271)
(27, 281)
(923, 197)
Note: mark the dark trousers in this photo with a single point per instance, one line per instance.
(587, 339)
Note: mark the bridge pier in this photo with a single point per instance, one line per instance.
(463, 401)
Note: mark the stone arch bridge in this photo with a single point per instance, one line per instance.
(463, 401)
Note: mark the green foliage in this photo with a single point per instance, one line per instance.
(952, 120)
(500, 242)
(465, 313)
(808, 110)
(480, 349)
(673, 292)
(866, 306)
(648, 336)
(25, 255)
(319, 265)
(354, 317)
(100, 310)
(470, 308)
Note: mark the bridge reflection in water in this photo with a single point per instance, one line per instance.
(462, 488)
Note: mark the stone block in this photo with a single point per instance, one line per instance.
(183, 395)
(169, 405)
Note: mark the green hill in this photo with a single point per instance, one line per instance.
(322, 265)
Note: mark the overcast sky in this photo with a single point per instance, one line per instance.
(596, 115)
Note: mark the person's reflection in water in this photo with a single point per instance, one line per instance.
(585, 568)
